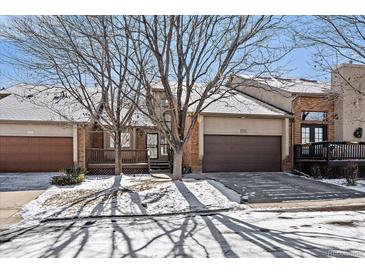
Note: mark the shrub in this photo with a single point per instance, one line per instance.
(327, 172)
(316, 171)
(351, 172)
(71, 176)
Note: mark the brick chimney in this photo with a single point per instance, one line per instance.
(348, 83)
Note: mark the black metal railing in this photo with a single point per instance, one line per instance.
(330, 151)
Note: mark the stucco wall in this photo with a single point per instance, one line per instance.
(271, 96)
(27, 129)
(348, 82)
(242, 126)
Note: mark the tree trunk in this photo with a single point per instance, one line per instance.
(118, 157)
(178, 160)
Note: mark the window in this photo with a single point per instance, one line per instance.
(318, 134)
(314, 133)
(152, 145)
(314, 116)
(305, 135)
(164, 103)
(167, 119)
(164, 146)
(125, 140)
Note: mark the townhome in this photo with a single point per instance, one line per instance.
(266, 124)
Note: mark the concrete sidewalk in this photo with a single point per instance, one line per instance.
(302, 206)
(12, 202)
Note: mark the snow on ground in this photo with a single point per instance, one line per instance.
(106, 196)
(360, 184)
(237, 233)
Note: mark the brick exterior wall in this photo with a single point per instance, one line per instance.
(81, 140)
(287, 162)
(140, 138)
(191, 150)
(303, 103)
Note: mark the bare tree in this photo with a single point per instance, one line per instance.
(336, 40)
(88, 57)
(193, 58)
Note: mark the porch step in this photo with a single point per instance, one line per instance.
(157, 165)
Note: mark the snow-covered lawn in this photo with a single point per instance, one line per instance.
(238, 233)
(360, 184)
(125, 195)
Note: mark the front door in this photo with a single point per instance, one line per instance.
(152, 145)
(313, 133)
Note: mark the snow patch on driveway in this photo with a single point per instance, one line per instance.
(127, 195)
(25, 181)
(360, 184)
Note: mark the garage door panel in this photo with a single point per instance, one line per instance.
(223, 153)
(22, 154)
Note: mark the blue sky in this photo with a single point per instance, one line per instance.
(300, 65)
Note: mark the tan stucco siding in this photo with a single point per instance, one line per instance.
(348, 82)
(242, 126)
(276, 98)
(36, 130)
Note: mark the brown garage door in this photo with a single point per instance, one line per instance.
(23, 154)
(223, 153)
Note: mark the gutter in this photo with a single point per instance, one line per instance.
(238, 115)
(41, 122)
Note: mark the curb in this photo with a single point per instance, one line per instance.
(127, 216)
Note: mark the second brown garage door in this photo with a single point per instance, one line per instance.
(223, 153)
(30, 154)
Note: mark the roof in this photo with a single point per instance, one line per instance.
(21, 105)
(293, 85)
(48, 105)
(51, 106)
(239, 104)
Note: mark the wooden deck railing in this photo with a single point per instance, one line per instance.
(106, 156)
(330, 151)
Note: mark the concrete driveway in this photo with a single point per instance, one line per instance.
(25, 181)
(271, 187)
(18, 189)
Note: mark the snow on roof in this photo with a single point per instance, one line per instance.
(293, 85)
(238, 103)
(228, 101)
(49, 105)
(41, 105)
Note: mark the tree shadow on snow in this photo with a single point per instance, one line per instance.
(189, 236)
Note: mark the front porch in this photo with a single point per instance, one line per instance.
(143, 149)
(102, 161)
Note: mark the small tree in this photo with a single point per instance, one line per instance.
(192, 58)
(87, 57)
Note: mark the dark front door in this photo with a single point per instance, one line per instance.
(226, 153)
(313, 133)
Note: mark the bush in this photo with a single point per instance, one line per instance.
(351, 172)
(316, 171)
(71, 176)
